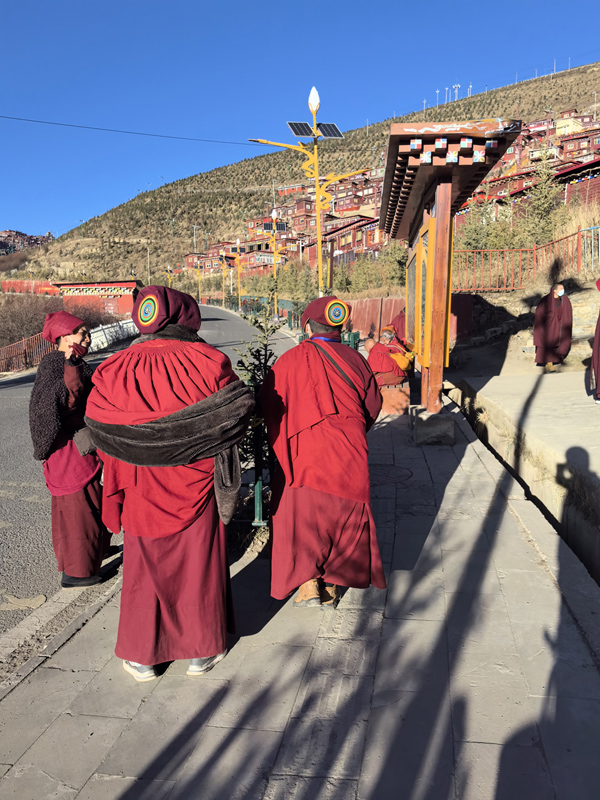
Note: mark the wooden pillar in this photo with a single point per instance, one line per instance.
(439, 309)
(424, 385)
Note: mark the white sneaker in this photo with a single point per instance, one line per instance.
(198, 666)
(597, 401)
(141, 672)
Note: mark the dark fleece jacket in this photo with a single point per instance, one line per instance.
(48, 413)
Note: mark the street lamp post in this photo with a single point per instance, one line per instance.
(169, 272)
(224, 265)
(239, 275)
(311, 166)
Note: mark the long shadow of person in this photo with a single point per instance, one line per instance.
(565, 686)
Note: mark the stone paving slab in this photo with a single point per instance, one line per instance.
(470, 678)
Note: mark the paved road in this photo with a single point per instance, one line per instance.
(27, 565)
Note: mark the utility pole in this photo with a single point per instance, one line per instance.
(446, 98)
(424, 104)
(437, 97)
(555, 66)
(194, 227)
(456, 87)
(367, 128)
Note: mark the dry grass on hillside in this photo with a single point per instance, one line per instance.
(116, 243)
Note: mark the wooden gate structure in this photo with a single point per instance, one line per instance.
(431, 170)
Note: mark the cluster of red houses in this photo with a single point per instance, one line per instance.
(571, 139)
(13, 241)
(349, 228)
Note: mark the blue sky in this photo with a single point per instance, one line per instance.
(229, 71)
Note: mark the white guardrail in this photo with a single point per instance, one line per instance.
(106, 335)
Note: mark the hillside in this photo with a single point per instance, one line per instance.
(116, 244)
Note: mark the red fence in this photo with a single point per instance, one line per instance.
(505, 270)
(24, 354)
(492, 270)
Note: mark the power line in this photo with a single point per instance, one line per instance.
(130, 133)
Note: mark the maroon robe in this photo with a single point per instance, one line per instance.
(596, 360)
(175, 601)
(79, 538)
(552, 328)
(322, 524)
(386, 370)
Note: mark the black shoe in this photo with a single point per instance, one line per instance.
(69, 582)
(198, 666)
(113, 550)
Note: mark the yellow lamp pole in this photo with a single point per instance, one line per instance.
(223, 262)
(277, 251)
(199, 284)
(169, 273)
(311, 170)
(239, 275)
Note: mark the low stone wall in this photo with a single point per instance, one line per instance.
(569, 492)
(106, 335)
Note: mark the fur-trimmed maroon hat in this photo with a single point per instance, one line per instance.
(327, 311)
(60, 323)
(155, 307)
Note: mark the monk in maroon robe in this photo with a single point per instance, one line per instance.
(596, 357)
(71, 468)
(167, 414)
(397, 326)
(318, 402)
(552, 328)
(388, 359)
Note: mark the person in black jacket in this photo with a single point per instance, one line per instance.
(72, 469)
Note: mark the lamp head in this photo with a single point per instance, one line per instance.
(314, 102)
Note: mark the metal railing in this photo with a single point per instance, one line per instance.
(505, 269)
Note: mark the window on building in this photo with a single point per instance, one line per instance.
(510, 150)
(527, 183)
(597, 140)
(358, 236)
(313, 223)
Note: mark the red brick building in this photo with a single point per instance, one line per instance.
(112, 297)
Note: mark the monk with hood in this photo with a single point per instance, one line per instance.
(318, 401)
(552, 328)
(61, 441)
(167, 415)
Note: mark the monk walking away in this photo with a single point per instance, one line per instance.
(318, 401)
(60, 440)
(167, 415)
(552, 328)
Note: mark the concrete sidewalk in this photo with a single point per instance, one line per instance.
(470, 677)
(546, 427)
